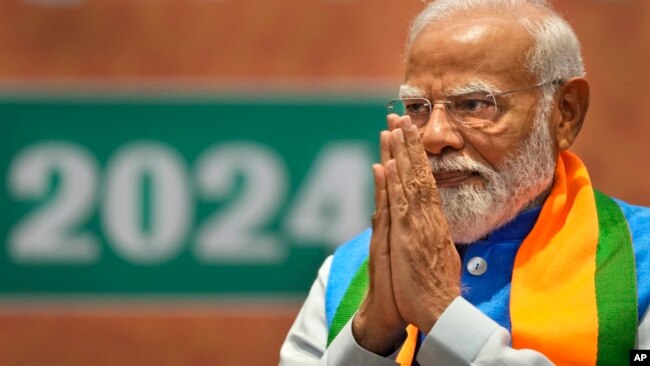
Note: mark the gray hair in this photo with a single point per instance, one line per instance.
(556, 53)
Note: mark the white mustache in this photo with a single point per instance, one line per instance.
(454, 161)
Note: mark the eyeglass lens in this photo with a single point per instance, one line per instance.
(470, 109)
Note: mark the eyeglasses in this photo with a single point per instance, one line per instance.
(469, 108)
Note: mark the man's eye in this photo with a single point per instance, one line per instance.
(416, 108)
(474, 104)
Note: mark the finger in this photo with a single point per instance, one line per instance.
(425, 183)
(381, 218)
(414, 146)
(384, 147)
(393, 121)
(379, 262)
(403, 162)
(397, 203)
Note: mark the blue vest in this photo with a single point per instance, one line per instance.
(490, 291)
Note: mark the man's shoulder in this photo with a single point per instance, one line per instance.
(358, 245)
(638, 217)
(349, 256)
(632, 208)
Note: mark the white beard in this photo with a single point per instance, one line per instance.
(474, 211)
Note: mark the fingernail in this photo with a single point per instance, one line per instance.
(400, 134)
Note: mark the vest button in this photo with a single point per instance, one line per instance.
(477, 266)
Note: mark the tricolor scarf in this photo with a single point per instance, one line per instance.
(573, 292)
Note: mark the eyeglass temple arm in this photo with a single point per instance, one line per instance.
(543, 83)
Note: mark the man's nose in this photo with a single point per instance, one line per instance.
(441, 131)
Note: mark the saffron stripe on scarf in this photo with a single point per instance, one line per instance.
(563, 293)
(616, 294)
(553, 294)
(407, 353)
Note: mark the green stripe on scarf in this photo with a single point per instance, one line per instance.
(351, 301)
(616, 295)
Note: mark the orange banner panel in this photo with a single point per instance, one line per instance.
(202, 38)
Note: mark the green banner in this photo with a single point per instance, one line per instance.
(180, 196)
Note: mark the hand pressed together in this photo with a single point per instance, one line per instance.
(414, 267)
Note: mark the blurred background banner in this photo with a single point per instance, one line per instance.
(227, 197)
(173, 172)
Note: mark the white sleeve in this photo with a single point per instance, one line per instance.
(306, 342)
(465, 336)
(462, 336)
(643, 335)
(307, 338)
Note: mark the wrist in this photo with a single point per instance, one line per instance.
(435, 310)
(375, 338)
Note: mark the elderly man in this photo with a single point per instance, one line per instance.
(489, 245)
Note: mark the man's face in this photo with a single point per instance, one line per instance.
(489, 173)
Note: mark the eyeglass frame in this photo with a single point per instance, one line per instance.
(446, 102)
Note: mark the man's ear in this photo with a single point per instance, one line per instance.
(573, 103)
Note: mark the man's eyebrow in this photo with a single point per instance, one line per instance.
(407, 91)
(474, 86)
